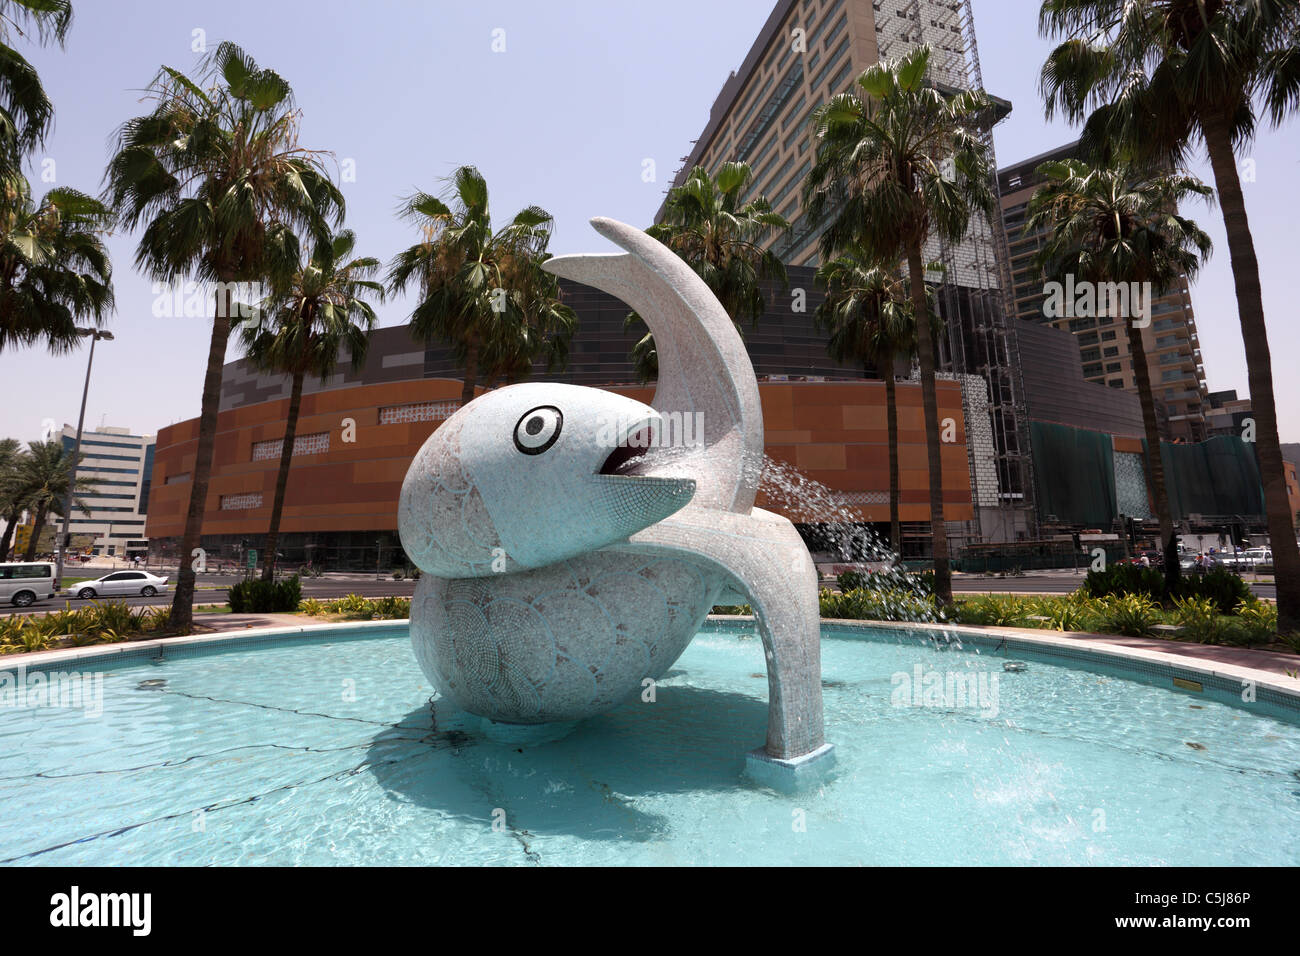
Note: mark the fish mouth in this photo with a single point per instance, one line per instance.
(631, 457)
(635, 498)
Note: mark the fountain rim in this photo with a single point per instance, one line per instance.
(1053, 647)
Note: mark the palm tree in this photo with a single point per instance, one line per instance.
(707, 226)
(644, 355)
(1120, 224)
(12, 494)
(25, 111)
(868, 313)
(315, 313)
(720, 238)
(483, 292)
(44, 477)
(879, 174)
(54, 268)
(1153, 78)
(536, 323)
(220, 182)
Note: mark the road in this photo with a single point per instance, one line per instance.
(212, 589)
(1050, 582)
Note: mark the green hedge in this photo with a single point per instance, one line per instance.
(1223, 587)
(265, 597)
(863, 604)
(919, 582)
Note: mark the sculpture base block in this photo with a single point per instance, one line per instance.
(526, 735)
(790, 775)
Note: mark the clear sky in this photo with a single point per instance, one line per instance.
(584, 92)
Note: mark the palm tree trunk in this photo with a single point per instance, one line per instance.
(182, 613)
(11, 522)
(891, 418)
(1155, 464)
(1259, 369)
(282, 478)
(926, 353)
(471, 373)
(37, 528)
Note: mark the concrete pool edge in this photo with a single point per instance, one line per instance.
(158, 646)
(1102, 646)
(1251, 689)
(1070, 650)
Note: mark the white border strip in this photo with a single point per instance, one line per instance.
(1083, 641)
(91, 651)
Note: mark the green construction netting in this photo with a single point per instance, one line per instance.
(1074, 474)
(1219, 476)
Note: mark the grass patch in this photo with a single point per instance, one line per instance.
(107, 622)
(1213, 609)
(354, 607)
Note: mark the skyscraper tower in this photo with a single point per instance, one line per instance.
(810, 50)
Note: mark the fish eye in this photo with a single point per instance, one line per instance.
(538, 429)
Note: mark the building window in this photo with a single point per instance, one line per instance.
(840, 77)
(780, 175)
(93, 456)
(417, 412)
(302, 445)
(792, 80)
(832, 60)
(1110, 352)
(795, 114)
(177, 479)
(241, 502)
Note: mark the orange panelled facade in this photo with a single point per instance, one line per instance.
(833, 432)
(1289, 470)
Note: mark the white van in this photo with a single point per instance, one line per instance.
(24, 583)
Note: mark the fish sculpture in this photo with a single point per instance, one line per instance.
(571, 547)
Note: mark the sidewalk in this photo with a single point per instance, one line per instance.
(1276, 662)
(217, 623)
(1217, 657)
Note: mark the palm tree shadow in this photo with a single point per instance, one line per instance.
(601, 782)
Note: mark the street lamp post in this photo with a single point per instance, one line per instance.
(95, 336)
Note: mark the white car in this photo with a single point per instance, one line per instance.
(1254, 556)
(23, 583)
(120, 584)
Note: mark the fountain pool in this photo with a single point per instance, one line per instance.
(324, 748)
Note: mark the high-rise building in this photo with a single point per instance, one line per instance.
(810, 50)
(121, 465)
(1226, 414)
(806, 52)
(1173, 350)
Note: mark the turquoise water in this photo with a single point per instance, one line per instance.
(325, 753)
